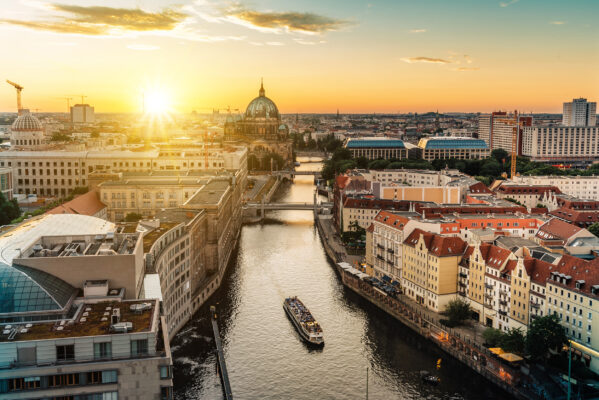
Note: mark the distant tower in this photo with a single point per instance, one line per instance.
(437, 124)
(296, 118)
(337, 113)
(261, 92)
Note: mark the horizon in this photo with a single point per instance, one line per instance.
(315, 57)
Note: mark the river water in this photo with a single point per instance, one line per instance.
(265, 356)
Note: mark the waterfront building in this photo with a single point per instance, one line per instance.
(435, 148)
(576, 146)
(375, 148)
(579, 112)
(430, 268)
(106, 348)
(57, 173)
(82, 114)
(451, 193)
(364, 210)
(580, 187)
(386, 244)
(527, 195)
(261, 129)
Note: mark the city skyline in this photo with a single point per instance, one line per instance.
(359, 57)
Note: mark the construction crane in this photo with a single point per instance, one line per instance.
(515, 122)
(19, 89)
(68, 99)
(80, 95)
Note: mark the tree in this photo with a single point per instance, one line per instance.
(513, 341)
(500, 155)
(9, 210)
(594, 229)
(378, 164)
(544, 334)
(491, 168)
(362, 162)
(133, 217)
(457, 311)
(493, 337)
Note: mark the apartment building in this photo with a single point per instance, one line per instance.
(462, 148)
(430, 268)
(580, 187)
(579, 112)
(6, 183)
(576, 146)
(527, 195)
(386, 246)
(498, 133)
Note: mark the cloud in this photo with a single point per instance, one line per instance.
(557, 22)
(308, 42)
(275, 43)
(465, 69)
(468, 59)
(99, 20)
(287, 20)
(508, 3)
(429, 60)
(417, 30)
(142, 47)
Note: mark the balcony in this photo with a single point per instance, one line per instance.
(462, 284)
(380, 246)
(463, 275)
(504, 313)
(503, 303)
(488, 286)
(391, 251)
(390, 262)
(534, 304)
(488, 296)
(380, 257)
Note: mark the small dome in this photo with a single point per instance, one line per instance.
(262, 107)
(282, 127)
(26, 123)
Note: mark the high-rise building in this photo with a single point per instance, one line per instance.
(82, 114)
(568, 145)
(497, 133)
(579, 112)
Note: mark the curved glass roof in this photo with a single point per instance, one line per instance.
(375, 143)
(452, 143)
(24, 289)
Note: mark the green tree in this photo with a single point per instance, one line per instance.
(544, 334)
(493, 337)
(378, 164)
(594, 229)
(133, 217)
(362, 162)
(9, 210)
(513, 341)
(457, 311)
(500, 155)
(491, 168)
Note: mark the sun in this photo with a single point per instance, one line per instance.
(156, 102)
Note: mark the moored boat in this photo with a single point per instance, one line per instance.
(308, 328)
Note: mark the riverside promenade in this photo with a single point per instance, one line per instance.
(464, 343)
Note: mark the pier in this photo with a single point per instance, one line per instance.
(222, 366)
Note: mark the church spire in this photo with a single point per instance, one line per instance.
(261, 92)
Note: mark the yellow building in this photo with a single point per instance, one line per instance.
(430, 268)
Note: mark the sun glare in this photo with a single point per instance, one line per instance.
(156, 102)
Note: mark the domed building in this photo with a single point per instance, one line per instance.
(27, 132)
(261, 128)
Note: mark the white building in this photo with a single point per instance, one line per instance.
(82, 114)
(579, 112)
(27, 132)
(582, 187)
(561, 144)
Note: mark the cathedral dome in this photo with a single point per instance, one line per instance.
(262, 107)
(26, 123)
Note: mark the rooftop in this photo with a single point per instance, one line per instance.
(151, 237)
(91, 320)
(452, 143)
(374, 142)
(211, 193)
(86, 204)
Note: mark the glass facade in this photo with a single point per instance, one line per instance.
(24, 289)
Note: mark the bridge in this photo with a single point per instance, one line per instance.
(285, 172)
(288, 206)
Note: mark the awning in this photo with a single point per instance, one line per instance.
(496, 350)
(380, 291)
(511, 357)
(386, 278)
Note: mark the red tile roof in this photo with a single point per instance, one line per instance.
(440, 246)
(526, 189)
(539, 271)
(556, 229)
(578, 270)
(353, 202)
(576, 216)
(479, 188)
(86, 204)
(390, 219)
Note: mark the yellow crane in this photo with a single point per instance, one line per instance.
(515, 121)
(19, 89)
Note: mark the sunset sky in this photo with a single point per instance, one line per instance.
(314, 55)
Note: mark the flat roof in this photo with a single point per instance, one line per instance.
(15, 241)
(374, 142)
(90, 324)
(210, 193)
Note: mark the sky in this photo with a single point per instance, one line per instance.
(314, 55)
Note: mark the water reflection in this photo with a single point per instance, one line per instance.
(265, 356)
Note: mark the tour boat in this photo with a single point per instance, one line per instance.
(303, 320)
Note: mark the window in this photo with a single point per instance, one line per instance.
(166, 393)
(66, 352)
(32, 382)
(139, 347)
(102, 350)
(166, 372)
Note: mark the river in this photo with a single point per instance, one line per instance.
(266, 358)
